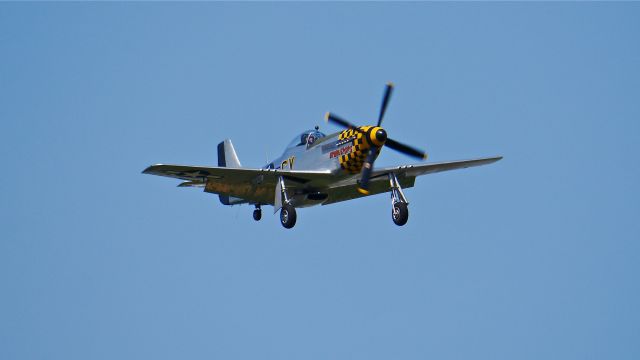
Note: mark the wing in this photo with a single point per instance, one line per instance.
(406, 175)
(251, 185)
(258, 185)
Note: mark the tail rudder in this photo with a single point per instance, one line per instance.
(227, 157)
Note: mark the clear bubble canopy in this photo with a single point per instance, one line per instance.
(306, 137)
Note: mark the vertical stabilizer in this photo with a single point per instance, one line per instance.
(227, 157)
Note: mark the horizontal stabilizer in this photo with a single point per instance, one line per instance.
(192, 184)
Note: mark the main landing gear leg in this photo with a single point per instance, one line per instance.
(257, 213)
(287, 212)
(399, 209)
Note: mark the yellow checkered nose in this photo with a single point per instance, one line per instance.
(378, 136)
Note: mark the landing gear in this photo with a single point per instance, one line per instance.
(288, 216)
(257, 213)
(282, 202)
(399, 211)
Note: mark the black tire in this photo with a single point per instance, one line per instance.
(288, 216)
(257, 214)
(400, 213)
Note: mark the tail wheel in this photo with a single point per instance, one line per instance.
(400, 213)
(288, 216)
(257, 214)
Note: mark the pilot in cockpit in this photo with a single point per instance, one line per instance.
(311, 138)
(307, 139)
(303, 138)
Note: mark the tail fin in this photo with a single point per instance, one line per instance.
(227, 157)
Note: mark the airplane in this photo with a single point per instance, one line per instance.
(316, 169)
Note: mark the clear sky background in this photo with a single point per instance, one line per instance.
(534, 257)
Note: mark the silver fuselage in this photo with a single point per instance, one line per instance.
(322, 155)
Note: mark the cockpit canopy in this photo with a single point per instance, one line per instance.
(307, 138)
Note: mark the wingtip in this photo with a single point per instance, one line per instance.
(391, 84)
(425, 156)
(149, 168)
(326, 116)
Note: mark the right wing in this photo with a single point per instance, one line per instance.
(252, 185)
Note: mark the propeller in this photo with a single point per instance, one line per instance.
(385, 101)
(340, 121)
(381, 136)
(406, 149)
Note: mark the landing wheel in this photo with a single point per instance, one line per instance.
(257, 214)
(288, 216)
(400, 213)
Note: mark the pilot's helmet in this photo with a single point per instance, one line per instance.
(310, 139)
(303, 138)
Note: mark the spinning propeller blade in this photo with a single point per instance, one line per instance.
(367, 168)
(340, 121)
(406, 149)
(385, 101)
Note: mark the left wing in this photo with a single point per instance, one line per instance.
(423, 169)
(251, 185)
(406, 175)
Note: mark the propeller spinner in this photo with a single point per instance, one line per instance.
(378, 137)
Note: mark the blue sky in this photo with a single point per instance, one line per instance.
(536, 256)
